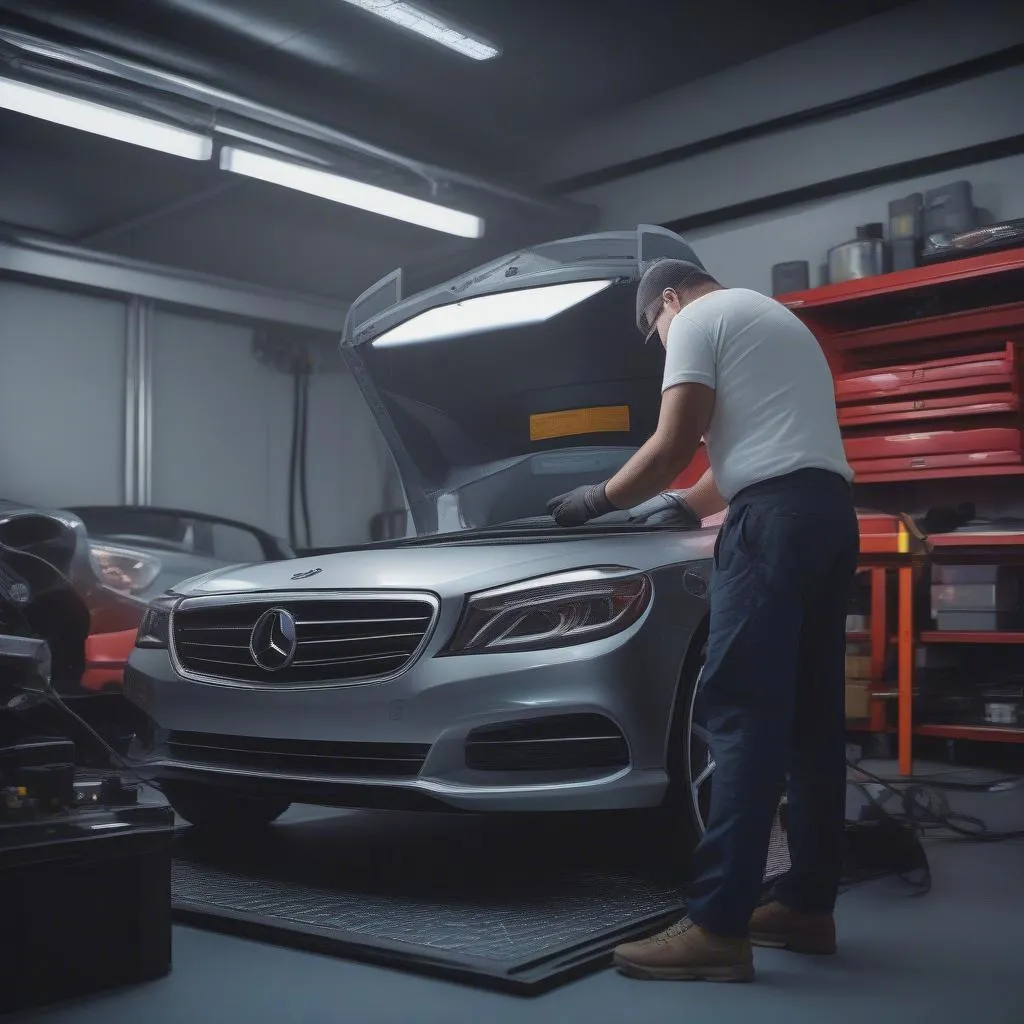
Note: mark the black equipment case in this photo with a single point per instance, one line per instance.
(85, 903)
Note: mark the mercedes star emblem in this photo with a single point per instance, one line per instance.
(274, 641)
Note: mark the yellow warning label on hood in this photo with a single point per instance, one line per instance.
(604, 419)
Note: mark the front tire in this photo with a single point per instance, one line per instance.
(217, 810)
(690, 767)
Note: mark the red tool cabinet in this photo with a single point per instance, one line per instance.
(980, 372)
(928, 409)
(963, 387)
(929, 372)
(932, 442)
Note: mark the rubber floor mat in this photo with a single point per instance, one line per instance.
(517, 906)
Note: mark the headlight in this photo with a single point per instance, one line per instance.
(553, 611)
(123, 569)
(155, 628)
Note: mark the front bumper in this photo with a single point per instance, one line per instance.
(630, 681)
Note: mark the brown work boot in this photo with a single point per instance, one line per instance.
(780, 927)
(686, 952)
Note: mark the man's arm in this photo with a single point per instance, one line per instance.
(703, 497)
(685, 414)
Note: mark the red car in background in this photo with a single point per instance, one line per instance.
(125, 556)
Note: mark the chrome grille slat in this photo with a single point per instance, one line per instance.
(340, 637)
(218, 661)
(358, 639)
(359, 622)
(216, 629)
(215, 646)
(364, 660)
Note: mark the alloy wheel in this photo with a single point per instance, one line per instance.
(699, 761)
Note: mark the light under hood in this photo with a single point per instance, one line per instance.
(490, 407)
(500, 311)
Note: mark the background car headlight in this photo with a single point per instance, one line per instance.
(155, 628)
(123, 569)
(553, 611)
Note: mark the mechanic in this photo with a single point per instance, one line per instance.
(743, 372)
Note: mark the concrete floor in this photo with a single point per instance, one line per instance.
(951, 956)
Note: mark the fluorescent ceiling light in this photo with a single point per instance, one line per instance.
(421, 21)
(350, 192)
(99, 119)
(492, 312)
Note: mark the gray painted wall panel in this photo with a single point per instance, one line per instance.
(215, 411)
(62, 397)
(222, 427)
(973, 113)
(881, 51)
(742, 253)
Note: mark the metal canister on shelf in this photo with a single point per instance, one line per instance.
(864, 256)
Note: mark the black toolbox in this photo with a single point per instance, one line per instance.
(86, 903)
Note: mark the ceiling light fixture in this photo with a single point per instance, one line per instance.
(491, 312)
(99, 119)
(350, 192)
(415, 18)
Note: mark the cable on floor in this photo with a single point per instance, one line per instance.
(926, 809)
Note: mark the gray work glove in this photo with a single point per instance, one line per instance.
(667, 508)
(581, 505)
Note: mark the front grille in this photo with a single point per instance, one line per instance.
(558, 743)
(338, 639)
(298, 757)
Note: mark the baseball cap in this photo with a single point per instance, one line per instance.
(659, 275)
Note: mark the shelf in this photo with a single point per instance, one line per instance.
(910, 349)
(979, 539)
(949, 636)
(882, 544)
(955, 329)
(949, 731)
(953, 473)
(979, 733)
(886, 415)
(936, 274)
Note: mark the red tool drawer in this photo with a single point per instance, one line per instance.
(933, 442)
(904, 467)
(984, 371)
(986, 403)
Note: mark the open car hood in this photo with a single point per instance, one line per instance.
(486, 420)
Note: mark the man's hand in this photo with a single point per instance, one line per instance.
(667, 507)
(580, 505)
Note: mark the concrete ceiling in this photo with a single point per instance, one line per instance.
(563, 62)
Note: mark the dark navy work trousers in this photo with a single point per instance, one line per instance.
(772, 696)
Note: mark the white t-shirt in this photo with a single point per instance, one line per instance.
(775, 407)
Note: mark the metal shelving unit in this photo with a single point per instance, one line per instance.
(947, 310)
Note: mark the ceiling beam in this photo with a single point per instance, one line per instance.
(121, 226)
(31, 256)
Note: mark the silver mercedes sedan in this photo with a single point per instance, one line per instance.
(488, 660)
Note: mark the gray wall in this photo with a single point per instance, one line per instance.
(920, 38)
(742, 252)
(222, 425)
(221, 421)
(62, 397)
